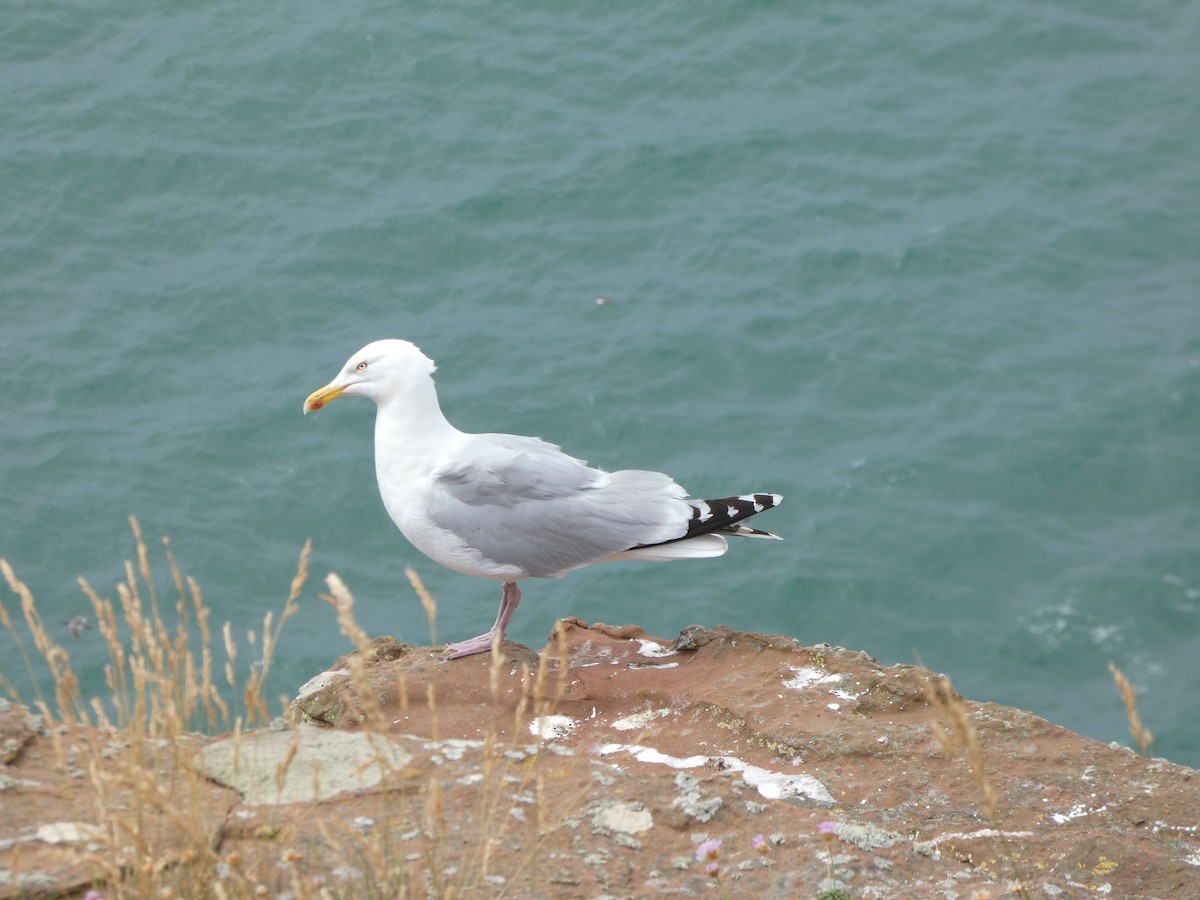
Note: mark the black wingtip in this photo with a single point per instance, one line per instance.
(723, 514)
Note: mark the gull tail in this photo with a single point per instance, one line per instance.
(711, 521)
(725, 515)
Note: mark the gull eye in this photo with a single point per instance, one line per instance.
(361, 366)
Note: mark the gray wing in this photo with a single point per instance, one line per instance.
(523, 502)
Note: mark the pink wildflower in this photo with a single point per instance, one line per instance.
(709, 850)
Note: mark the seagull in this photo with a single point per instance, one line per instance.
(509, 507)
(76, 625)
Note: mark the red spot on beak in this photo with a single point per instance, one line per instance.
(317, 404)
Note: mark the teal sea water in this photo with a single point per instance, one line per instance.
(931, 272)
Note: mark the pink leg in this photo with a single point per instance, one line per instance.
(509, 602)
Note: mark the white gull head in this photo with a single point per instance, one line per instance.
(379, 371)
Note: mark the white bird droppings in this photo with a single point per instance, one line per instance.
(772, 785)
(552, 728)
(806, 676)
(639, 720)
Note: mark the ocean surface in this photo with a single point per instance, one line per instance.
(931, 272)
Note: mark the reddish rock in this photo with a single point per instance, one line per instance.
(730, 735)
(603, 773)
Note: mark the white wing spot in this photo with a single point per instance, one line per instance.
(705, 510)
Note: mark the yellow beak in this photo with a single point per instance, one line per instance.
(320, 397)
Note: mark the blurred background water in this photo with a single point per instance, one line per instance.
(930, 272)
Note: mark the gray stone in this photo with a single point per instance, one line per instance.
(325, 763)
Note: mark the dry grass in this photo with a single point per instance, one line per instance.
(954, 731)
(1141, 734)
(133, 751)
(132, 748)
